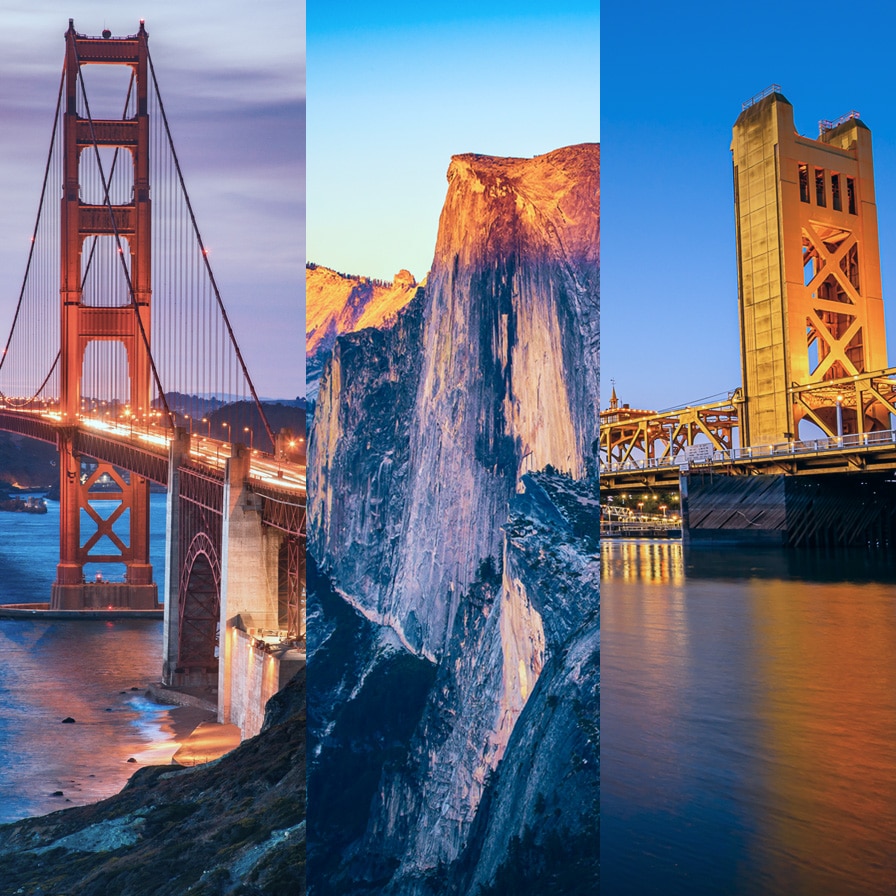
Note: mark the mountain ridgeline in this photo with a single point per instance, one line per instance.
(454, 617)
(343, 303)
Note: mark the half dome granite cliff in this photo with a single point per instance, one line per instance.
(424, 442)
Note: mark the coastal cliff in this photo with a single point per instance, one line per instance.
(235, 825)
(422, 438)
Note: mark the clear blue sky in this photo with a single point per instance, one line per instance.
(673, 80)
(232, 80)
(396, 88)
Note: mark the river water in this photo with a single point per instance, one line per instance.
(53, 669)
(748, 722)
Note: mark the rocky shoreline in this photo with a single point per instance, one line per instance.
(235, 825)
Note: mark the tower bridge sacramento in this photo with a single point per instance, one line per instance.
(122, 355)
(803, 453)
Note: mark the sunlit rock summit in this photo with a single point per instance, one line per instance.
(423, 435)
(505, 380)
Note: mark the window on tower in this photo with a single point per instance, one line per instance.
(836, 204)
(804, 183)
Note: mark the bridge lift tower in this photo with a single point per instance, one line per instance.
(811, 310)
(128, 323)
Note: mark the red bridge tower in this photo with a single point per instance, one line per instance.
(104, 319)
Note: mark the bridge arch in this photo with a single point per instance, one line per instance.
(200, 607)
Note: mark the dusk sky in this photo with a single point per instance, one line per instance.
(673, 82)
(395, 89)
(232, 77)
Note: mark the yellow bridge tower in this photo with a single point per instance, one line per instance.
(811, 311)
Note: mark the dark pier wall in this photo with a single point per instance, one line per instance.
(836, 509)
(733, 509)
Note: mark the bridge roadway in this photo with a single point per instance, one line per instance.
(145, 450)
(855, 453)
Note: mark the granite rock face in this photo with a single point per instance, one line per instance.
(422, 440)
(414, 791)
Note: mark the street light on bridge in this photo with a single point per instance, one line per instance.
(249, 430)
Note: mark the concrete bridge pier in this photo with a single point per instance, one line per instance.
(249, 672)
(223, 590)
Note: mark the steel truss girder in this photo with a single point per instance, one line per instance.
(282, 510)
(292, 586)
(866, 398)
(660, 436)
(203, 489)
(151, 465)
(30, 425)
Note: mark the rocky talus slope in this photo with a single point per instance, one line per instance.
(422, 439)
(233, 826)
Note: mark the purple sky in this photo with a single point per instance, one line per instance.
(233, 84)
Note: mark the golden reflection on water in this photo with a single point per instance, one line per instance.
(827, 676)
(739, 695)
(660, 562)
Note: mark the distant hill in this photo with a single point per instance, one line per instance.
(26, 463)
(289, 416)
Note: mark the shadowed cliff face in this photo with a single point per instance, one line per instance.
(421, 438)
(410, 798)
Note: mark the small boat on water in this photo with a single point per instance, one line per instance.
(27, 505)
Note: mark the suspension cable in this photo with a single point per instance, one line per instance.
(204, 253)
(40, 207)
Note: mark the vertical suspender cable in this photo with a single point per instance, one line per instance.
(223, 312)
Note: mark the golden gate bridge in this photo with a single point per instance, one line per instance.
(122, 354)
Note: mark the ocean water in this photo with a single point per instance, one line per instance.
(92, 671)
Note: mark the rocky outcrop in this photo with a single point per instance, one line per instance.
(421, 441)
(340, 303)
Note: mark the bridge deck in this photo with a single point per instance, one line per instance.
(861, 452)
(145, 450)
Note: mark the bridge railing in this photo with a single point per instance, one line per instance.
(757, 452)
